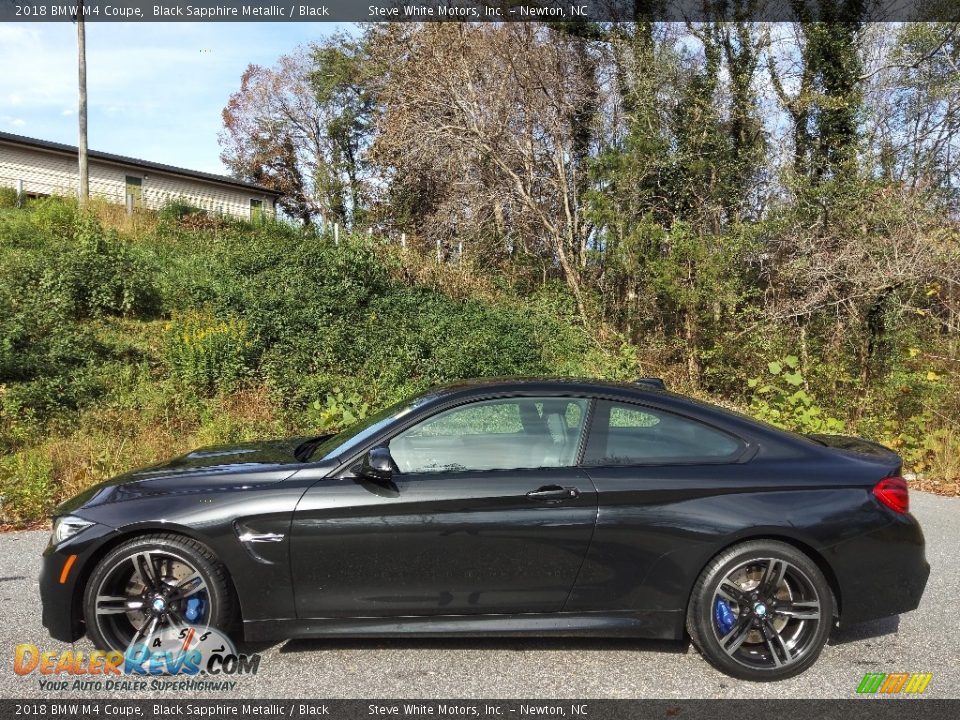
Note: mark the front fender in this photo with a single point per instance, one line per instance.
(217, 518)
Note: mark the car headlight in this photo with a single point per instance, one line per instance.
(66, 527)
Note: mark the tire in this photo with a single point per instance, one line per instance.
(189, 579)
(779, 611)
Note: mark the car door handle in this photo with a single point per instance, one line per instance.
(553, 493)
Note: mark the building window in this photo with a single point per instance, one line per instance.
(256, 209)
(135, 188)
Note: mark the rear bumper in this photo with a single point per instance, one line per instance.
(881, 573)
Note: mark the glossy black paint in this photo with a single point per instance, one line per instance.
(471, 544)
(378, 467)
(570, 551)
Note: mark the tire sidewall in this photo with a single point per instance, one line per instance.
(700, 615)
(200, 558)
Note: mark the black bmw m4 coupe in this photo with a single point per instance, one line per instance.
(536, 507)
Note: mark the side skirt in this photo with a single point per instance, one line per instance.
(657, 625)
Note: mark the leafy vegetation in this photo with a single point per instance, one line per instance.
(8, 197)
(186, 336)
(207, 354)
(780, 398)
(122, 352)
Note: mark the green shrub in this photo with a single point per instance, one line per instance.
(54, 216)
(46, 359)
(8, 198)
(337, 411)
(413, 333)
(178, 209)
(781, 399)
(104, 275)
(25, 486)
(320, 318)
(74, 263)
(207, 354)
(58, 269)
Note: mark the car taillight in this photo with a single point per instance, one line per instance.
(892, 492)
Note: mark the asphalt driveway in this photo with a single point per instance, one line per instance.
(927, 640)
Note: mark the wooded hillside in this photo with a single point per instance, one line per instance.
(714, 201)
(764, 214)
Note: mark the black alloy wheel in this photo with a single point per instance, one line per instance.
(153, 582)
(761, 611)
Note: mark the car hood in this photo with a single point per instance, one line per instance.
(200, 470)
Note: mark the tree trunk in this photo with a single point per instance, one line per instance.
(573, 281)
(690, 336)
(876, 335)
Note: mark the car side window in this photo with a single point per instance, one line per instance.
(624, 434)
(478, 419)
(501, 434)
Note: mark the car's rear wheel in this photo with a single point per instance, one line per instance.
(761, 610)
(151, 583)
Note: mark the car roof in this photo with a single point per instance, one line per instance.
(521, 383)
(641, 391)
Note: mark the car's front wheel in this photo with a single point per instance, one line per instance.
(761, 610)
(151, 583)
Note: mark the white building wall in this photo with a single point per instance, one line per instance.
(51, 173)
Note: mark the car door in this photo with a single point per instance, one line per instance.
(487, 513)
(664, 485)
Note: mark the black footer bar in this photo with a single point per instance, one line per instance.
(120, 709)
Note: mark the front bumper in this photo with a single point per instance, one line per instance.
(62, 580)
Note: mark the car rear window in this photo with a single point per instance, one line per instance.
(624, 434)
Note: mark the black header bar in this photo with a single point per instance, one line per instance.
(479, 10)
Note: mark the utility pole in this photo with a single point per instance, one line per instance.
(82, 145)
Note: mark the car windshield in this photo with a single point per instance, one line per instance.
(345, 441)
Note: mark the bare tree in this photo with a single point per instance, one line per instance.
(300, 127)
(913, 106)
(493, 118)
(273, 133)
(859, 256)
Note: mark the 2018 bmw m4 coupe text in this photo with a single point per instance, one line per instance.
(503, 507)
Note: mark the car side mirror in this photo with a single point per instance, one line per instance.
(378, 465)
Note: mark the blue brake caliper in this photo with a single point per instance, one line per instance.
(723, 616)
(194, 609)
